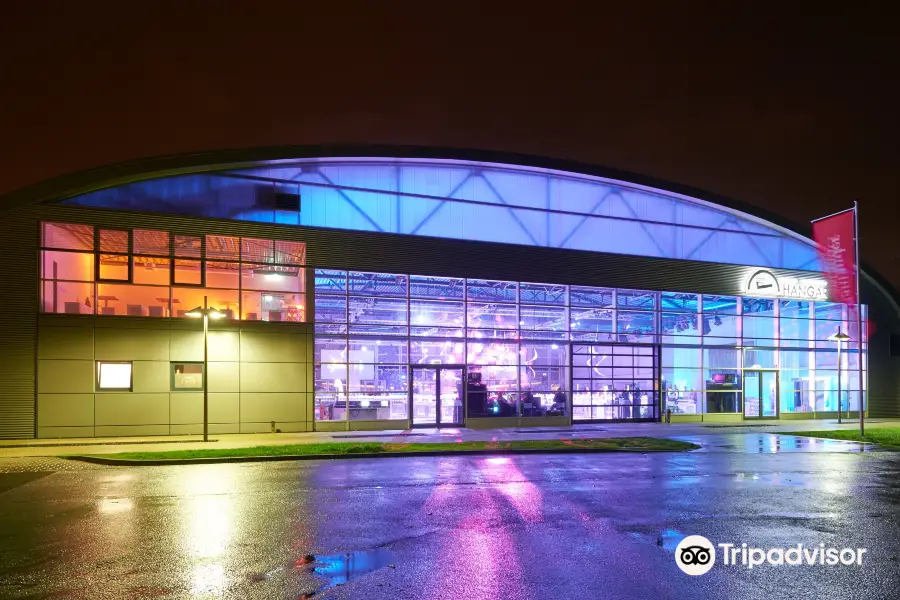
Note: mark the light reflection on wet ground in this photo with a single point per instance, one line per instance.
(538, 526)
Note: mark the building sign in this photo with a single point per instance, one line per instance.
(762, 282)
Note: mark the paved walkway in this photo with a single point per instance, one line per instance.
(690, 431)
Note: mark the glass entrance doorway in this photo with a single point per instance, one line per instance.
(437, 396)
(760, 394)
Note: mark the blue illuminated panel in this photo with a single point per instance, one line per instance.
(470, 201)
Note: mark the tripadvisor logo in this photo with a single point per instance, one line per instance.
(696, 555)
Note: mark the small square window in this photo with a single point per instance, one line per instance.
(114, 376)
(187, 376)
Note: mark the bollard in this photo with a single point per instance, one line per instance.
(668, 415)
(273, 426)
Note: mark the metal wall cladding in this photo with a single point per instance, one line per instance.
(329, 248)
(18, 323)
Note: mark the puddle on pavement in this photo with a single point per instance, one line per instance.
(667, 539)
(339, 569)
(335, 569)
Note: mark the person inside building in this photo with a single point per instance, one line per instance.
(558, 408)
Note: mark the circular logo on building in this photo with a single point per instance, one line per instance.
(695, 555)
(762, 283)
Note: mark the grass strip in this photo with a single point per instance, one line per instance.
(623, 443)
(886, 437)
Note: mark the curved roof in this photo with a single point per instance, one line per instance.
(463, 194)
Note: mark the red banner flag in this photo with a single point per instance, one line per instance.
(837, 251)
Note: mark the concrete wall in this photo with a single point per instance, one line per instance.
(258, 373)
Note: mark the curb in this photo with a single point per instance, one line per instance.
(418, 453)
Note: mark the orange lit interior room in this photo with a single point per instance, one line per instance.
(158, 284)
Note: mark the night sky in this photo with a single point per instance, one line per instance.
(792, 112)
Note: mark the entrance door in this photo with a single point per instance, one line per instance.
(760, 394)
(437, 396)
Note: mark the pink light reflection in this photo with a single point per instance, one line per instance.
(523, 495)
(478, 560)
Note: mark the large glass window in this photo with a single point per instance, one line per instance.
(150, 273)
(517, 341)
(437, 288)
(614, 382)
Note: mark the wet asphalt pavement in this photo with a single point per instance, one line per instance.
(537, 526)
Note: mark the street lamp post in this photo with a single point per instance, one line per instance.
(839, 337)
(207, 313)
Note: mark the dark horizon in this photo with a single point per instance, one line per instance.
(793, 113)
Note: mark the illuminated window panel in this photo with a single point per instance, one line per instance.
(330, 282)
(436, 314)
(188, 246)
(492, 353)
(223, 247)
(759, 307)
(378, 311)
(114, 267)
(67, 236)
(636, 299)
(290, 253)
(681, 328)
(131, 300)
(259, 251)
(150, 241)
(376, 330)
(437, 352)
(114, 376)
(151, 270)
(386, 351)
(114, 241)
(437, 288)
(188, 272)
(596, 320)
(377, 284)
(543, 318)
(543, 293)
(678, 302)
(71, 266)
(492, 291)
(68, 297)
(490, 315)
(720, 305)
(273, 306)
(223, 274)
(271, 278)
(186, 299)
(331, 309)
(593, 297)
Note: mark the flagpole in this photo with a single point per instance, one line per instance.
(859, 325)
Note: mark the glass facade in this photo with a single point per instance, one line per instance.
(390, 342)
(438, 350)
(151, 273)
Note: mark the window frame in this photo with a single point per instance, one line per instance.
(98, 380)
(172, 366)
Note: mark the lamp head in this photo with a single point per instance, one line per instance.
(840, 336)
(195, 312)
(215, 313)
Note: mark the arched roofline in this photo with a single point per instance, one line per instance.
(82, 182)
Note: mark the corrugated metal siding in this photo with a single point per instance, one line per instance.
(884, 370)
(18, 324)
